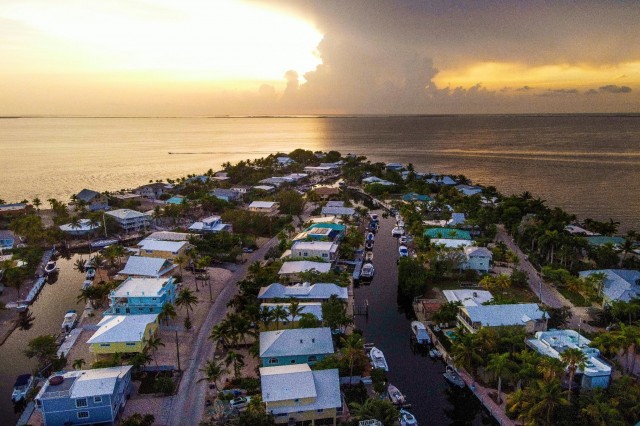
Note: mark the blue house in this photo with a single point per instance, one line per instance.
(295, 346)
(85, 397)
(412, 196)
(7, 239)
(136, 296)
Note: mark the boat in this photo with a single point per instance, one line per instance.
(435, 354)
(370, 236)
(452, 376)
(21, 387)
(70, 321)
(91, 272)
(420, 333)
(403, 251)
(373, 227)
(374, 217)
(395, 395)
(400, 224)
(407, 419)
(403, 239)
(50, 267)
(397, 231)
(367, 271)
(86, 284)
(368, 257)
(368, 245)
(377, 359)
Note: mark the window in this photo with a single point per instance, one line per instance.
(293, 361)
(273, 360)
(81, 402)
(97, 399)
(305, 254)
(83, 414)
(130, 344)
(105, 345)
(312, 358)
(325, 255)
(320, 410)
(149, 251)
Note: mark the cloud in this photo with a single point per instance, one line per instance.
(523, 89)
(559, 92)
(612, 88)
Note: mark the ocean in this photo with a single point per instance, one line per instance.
(587, 164)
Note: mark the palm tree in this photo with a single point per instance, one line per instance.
(295, 310)
(181, 261)
(630, 337)
(499, 364)
(237, 360)
(213, 371)
(78, 363)
(551, 368)
(98, 261)
(352, 346)
(373, 408)
(154, 343)
(538, 402)
(79, 265)
(140, 359)
(167, 312)
(266, 317)
(601, 410)
(575, 359)
(186, 299)
(279, 314)
(220, 332)
(465, 352)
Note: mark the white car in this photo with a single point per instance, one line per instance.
(240, 402)
(397, 232)
(404, 251)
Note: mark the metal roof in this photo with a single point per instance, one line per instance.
(296, 341)
(122, 328)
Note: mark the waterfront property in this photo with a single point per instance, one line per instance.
(85, 397)
(293, 270)
(394, 167)
(124, 334)
(176, 200)
(456, 219)
(619, 284)
(600, 240)
(152, 190)
(169, 236)
(294, 394)
(451, 243)
(93, 200)
(414, 197)
(313, 308)
(477, 258)
(596, 374)
(441, 180)
(469, 190)
(376, 180)
(265, 188)
(15, 209)
(326, 250)
(337, 211)
(83, 227)
(139, 266)
(130, 220)
(266, 207)
(468, 297)
(295, 346)
(284, 161)
(308, 292)
(138, 296)
(226, 194)
(526, 315)
(211, 224)
(7, 239)
(165, 249)
(326, 192)
(447, 233)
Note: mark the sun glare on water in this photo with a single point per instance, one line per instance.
(214, 40)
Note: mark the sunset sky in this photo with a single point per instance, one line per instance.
(212, 57)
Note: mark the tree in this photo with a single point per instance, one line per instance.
(138, 419)
(465, 352)
(213, 371)
(550, 368)
(334, 313)
(295, 311)
(187, 300)
(279, 314)
(575, 359)
(180, 260)
(78, 364)
(154, 343)
(499, 364)
(500, 282)
(538, 403)
(167, 313)
(352, 347)
(374, 408)
(79, 265)
(308, 320)
(266, 317)
(43, 348)
(98, 261)
(599, 410)
(237, 360)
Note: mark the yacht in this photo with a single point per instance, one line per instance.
(86, 284)
(367, 271)
(374, 217)
(368, 257)
(21, 387)
(452, 376)
(50, 267)
(395, 395)
(377, 359)
(397, 231)
(407, 419)
(70, 321)
(420, 333)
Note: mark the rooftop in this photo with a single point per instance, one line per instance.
(468, 297)
(160, 245)
(313, 308)
(303, 291)
(324, 225)
(169, 236)
(447, 233)
(124, 214)
(122, 328)
(296, 341)
(315, 245)
(87, 195)
(473, 251)
(262, 204)
(85, 383)
(619, 284)
(147, 266)
(137, 287)
(502, 315)
(450, 242)
(338, 211)
(298, 266)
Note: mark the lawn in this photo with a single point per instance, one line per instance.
(575, 298)
(147, 381)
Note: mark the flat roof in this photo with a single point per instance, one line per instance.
(499, 315)
(298, 266)
(125, 214)
(161, 245)
(85, 383)
(262, 204)
(122, 328)
(138, 287)
(315, 245)
(468, 297)
(296, 341)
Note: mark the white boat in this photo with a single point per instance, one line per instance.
(70, 321)
(397, 231)
(368, 257)
(403, 239)
(400, 224)
(420, 333)
(368, 245)
(403, 251)
(21, 387)
(374, 217)
(86, 284)
(377, 359)
(91, 273)
(407, 419)
(435, 354)
(50, 267)
(452, 376)
(395, 395)
(367, 271)
(370, 236)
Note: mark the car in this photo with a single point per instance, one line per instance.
(240, 402)
(397, 232)
(247, 250)
(404, 251)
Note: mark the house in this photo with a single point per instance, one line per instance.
(124, 334)
(313, 308)
(325, 192)
(165, 249)
(619, 284)
(303, 292)
(394, 167)
(293, 270)
(295, 346)
(600, 240)
(130, 220)
(15, 209)
(596, 373)
(318, 170)
(93, 200)
(7, 239)
(139, 266)
(326, 250)
(376, 180)
(456, 219)
(477, 258)
(412, 197)
(294, 394)
(441, 180)
(126, 196)
(266, 207)
(138, 296)
(284, 161)
(337, 211)
(211, 224)
(169, 236)
(241, 189)
(84, 226)
(85, 397)
(451, 243)
(322, 231)
(447, 233)
(469, 190)
(335, 204)
(152, 190)
(468, 297)
(526, 315)
(577, 230)
(265, 188)
(229, 195)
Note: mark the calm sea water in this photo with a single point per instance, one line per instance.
(589, 165)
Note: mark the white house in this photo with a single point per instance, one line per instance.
(284, 161)
(130, 220)
(83, 227)
(469, 190)
(326, 250)
(526, 315)
(267, 207)
(139, 266)
(477, 258)
(468, 297)
(318, 292)
(211, 224)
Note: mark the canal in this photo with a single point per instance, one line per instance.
(432, 400)
(46, 316)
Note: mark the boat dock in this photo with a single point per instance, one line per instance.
(69, 341)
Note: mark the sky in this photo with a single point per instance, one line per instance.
(249, 57)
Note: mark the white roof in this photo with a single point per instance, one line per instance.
(137, 287)
(303, 291)
(451, 243)
(499, 315)
(169, 236)
(296, 341)
(472, 251)
(265, 187)
(125, 214)
(160, 245)
(101, 381)
(85, 225)
(315, 245)
(122, 328)
(468, 297)
(313, 308)
(338, 211)
(298, 266)
(147, 266)
(262, 204)
(334, 204)
(289, 382)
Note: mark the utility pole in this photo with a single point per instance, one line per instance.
(177, 351)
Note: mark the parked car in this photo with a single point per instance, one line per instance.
(247, 250)
(240, 402)
(404, 251)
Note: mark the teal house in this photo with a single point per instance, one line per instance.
(295, 346)
(412, 196)
(447, 233)
(137, 296)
